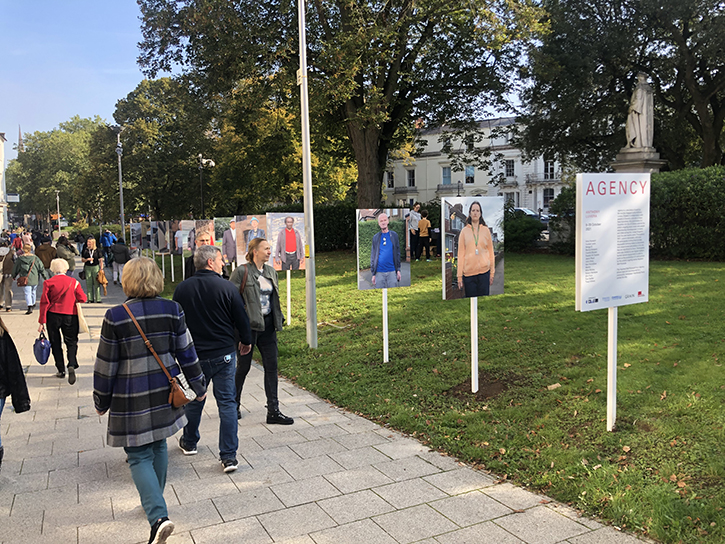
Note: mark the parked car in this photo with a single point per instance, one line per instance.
(531, 213)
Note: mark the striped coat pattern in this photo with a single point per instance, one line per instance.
(127, 379)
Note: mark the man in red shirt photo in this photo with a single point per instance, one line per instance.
(289, 252)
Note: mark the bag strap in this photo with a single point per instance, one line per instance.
(244, 281)
(148, 344)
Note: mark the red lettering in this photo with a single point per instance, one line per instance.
(643, 184)
(622, 187)
(590, 188)
(602, 188)
(612, 187)
(633, 187)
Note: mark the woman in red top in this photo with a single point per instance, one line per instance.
(58, 309)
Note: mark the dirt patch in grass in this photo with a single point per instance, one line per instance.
(489, 386)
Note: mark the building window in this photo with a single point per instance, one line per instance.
(469, 143)
(510, 168)
(411, 178)
(446, 175)
(390, 179)
(548, 197)
(513, 198)
(549, 171)
(470, 174)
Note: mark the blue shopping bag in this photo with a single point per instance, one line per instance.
(41, 349)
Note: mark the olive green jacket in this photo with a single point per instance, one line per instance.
(31, 266)
(252, 296)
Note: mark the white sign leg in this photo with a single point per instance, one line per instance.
(163, 266)
(171, 259)
(289, 297)
(612, 369)
(385, 325)
(474, 344)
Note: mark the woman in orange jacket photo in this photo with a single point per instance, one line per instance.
(476, 261)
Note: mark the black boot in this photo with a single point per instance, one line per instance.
(30, 310)
(2, 451)
(275, 417)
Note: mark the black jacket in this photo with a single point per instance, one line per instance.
(12, 377)
(214, 311)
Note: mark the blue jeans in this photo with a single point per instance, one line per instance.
(219, 371)
(148, 465)
(30, 292)
(386, 279)
(2, 405)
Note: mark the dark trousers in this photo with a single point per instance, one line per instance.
(423, 242)
(291, 262)
(414, 236)
(478, 285)
(68, 324)
(266, 342)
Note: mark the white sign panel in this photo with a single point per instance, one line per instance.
(13, 197)
(612, 240)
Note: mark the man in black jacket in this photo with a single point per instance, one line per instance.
(214, 311)
(12, 377)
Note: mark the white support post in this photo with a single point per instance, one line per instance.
(612, 369)
(289, 297)
(163, 266)
(386, 359)
(474, 344)
(171, 259)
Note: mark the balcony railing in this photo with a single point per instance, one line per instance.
(447, 188)
(543, 178)
(405, 190)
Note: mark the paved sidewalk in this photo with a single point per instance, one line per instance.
(332, 477)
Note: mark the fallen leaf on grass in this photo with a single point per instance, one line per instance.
(663, 396)
(553, 386)
(597, 390)
(627, 365)
(681, 484)
(626, 448)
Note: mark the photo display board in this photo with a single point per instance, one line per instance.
(471, 256)
(612, 240)
(286, 236)
(382, 258)
(248, 228)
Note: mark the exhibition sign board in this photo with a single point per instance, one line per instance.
(612, 240)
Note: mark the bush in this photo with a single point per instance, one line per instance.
(687, 214)
(520, 231)
(562, 222)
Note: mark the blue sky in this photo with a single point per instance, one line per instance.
(62, 58)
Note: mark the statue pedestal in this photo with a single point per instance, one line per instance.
(638, 160)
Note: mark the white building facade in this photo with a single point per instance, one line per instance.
(430, 174)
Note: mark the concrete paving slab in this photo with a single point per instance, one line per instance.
(350, 481)
(470, 508)
(604, 535)
(406, 468)
(304, 491)
(460, 480)
(315, 466)
(483, 533)
(355, 506)
(354, 533)
(540, 525)
(414, 523)
(360, 457)
(296, 521)
(247, 503)
(409, 493)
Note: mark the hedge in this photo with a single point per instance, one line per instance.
(687, 214)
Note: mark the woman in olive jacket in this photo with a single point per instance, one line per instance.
(28, 265)
(12, 378)
(261, 300)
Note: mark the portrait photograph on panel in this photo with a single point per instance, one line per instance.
(248, 228)
(145, 235)
(287, 238)
(162, 236)
(135, 242)
(188, 226)
(225, 237)
(382, 259)
(473, 264)
(176, 237)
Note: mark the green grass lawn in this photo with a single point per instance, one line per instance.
(660, 473)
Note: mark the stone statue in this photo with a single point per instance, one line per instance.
(640, 122)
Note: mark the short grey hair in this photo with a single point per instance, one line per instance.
(203, 254)
(59, 266)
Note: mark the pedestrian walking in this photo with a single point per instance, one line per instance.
(29, 269)
(6, 277)
(257, 281)
(12, 378)
(59, 311)
(214, 311)
(130, 385)
(66, 250)
(121, 255)
(92, 264)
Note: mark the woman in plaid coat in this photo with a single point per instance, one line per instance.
(129, 384)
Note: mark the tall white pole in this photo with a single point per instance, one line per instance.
(171, 259)
(289, 297)
(57, 208)
(612, 369)
(311, 291)
(386, 338)
(474, 344)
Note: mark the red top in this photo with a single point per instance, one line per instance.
(290, 240)
(60, 294)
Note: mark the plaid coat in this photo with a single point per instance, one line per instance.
(127, 380)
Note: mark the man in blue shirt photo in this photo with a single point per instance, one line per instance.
(385, 256)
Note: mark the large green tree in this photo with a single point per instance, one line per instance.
(55, 160)
(581, 76)
(375, 67)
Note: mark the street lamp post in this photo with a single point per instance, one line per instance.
(57, 208)
(119, 151)
(202, 163)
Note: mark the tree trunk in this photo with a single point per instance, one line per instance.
(371, 153)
